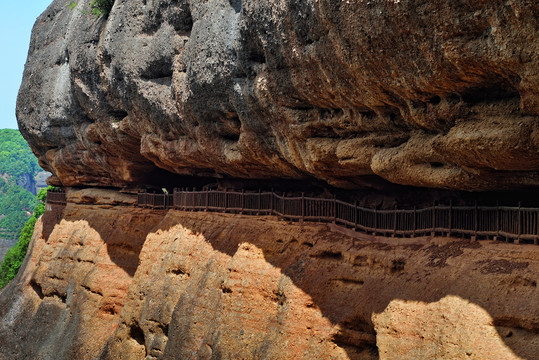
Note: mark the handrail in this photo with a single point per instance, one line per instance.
(517, 224)
(56, 197)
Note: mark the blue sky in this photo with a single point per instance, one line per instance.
(16, 20)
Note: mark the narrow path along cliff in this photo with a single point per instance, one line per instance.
(108, 279)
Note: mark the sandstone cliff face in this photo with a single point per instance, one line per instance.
(427, 93)
(110, 281)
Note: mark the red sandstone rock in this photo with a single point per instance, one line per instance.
(118, 282)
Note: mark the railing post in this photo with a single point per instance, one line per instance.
(497, 220)
(207, 199)
(450, 217)
(186, 199)
(302, 206)
(535, 239)
(183, 198)
(476, 225)
(395, 222)
(355, 215)
(517, 241)
(375, 221)
(272, 200)
(433, 233)
(283, 204)
(242, 201)
(334, 209)
(415, 222)
(226, 199)
(179, 200)
(259, 202)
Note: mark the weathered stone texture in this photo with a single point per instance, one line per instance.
(117, 282)
(427, 93)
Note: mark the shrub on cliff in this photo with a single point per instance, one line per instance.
(15, 256)
(97, 7)
(101, 7)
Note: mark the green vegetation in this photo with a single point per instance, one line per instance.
(17, 164)
(16, 158)
(15, 256)
(98, 8)
(101, 7)
(16, 204)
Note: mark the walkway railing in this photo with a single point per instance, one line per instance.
(516, 224)
(57, 197)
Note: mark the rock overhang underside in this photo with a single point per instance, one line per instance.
(424, 93)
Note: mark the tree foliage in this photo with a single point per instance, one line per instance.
(16, 158)
(17, 162)
(16, 204)
(15, 256)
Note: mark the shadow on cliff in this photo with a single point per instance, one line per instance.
(51, 218)
(123, 237)
(348, 279)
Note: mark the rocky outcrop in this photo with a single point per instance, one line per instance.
(355, 93)
(41, 180)
(106, 280)
(28, 182)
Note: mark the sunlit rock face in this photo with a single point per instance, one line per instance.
(430, 93)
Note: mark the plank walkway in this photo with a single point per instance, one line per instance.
(512, 224)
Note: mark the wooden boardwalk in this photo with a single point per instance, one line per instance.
(512, 224)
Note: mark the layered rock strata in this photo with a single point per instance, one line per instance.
(427, 93)
(106, 280)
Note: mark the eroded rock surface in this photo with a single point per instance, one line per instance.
(427, 93)
(118, 282)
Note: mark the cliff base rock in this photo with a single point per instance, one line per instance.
(119, 282)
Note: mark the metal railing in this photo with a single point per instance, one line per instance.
(516, 224)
